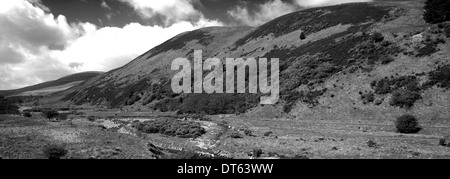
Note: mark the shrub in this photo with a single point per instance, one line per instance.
(437, 11)
(441, 77)
(62, 117)
(405, 98)
(257, 153)
(427, 50)
(248, 132)
(54, 151)
(171, 127)
(91, 118)
(7, 107)
(50, 114)
(213, 104)
(302, 36)
(407, 124)
(386, 60)
(27, 114)
(372, 144)
(368, 98)
(442, 142)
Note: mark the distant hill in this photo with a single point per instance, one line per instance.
(353, 61)
(51, 86)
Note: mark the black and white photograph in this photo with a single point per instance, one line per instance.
(224, 79)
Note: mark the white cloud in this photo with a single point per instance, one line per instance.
(110, 47)
(267, 11)
(171, 10)
(35, 46)
(317, 3)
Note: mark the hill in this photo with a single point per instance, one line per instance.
(49, 87)
(357, 60)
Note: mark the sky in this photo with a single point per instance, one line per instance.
(43, 40)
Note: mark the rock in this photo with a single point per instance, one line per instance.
(267, 134)
(378, 102)
(417, 38)
(236, 135)
(334, 148)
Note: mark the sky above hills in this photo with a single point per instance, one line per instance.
(43, 40)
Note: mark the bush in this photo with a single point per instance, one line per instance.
(54, 151)
(213, 104)
(437, 11)
(427, 50)
(407, 124)
(62, 117)
(171, 127)
(368, 98)
(441, 77)
(302, 36)
(50, 114)
(91, 118)
(27, 114)
(7, 107)
(248, 132)
(405, 98)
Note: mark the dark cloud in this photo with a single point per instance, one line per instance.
(75, 65)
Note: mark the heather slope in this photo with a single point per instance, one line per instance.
(358, 60)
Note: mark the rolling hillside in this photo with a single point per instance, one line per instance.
(52, 86)
(357, 60)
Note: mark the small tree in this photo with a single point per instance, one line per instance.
(407, 124)
(436, 11)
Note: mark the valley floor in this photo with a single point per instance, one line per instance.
(110, 136)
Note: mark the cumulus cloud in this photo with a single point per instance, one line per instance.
(35, 46)
(167, 11)
(267, 11)
(111, 47)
